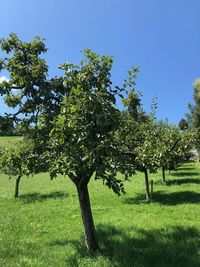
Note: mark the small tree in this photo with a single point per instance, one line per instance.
(17, 162)
(139, 135)
(168, 139)
(148, 152)
(175, 145)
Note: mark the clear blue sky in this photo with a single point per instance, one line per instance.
(162, 37)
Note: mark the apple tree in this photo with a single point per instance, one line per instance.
(71, 120)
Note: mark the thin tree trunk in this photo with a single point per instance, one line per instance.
(148, 196)
(17, 186)
(87, 219)
(163, 174)
(151, 183)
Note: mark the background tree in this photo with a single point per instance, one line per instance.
(177, 145)
(6, 126)
(148, 152)
(17, 162)
(183, 124)
(168, 140)
(193, 117)
(139, 135)
(195, 109)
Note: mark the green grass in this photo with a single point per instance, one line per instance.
(43, 227)
(9, 141)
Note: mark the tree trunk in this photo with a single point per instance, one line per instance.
(17, 186)
(148, 195)
(151, 183)
(87, 219)
(163, 174)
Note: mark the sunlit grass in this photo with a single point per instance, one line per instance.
(9, 141)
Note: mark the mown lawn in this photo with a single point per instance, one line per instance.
(43, 227)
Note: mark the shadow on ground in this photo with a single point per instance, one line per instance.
(175, 198)
(185, 168)
(174, 247)
(183, 181)
(37, 197)
(182, 174)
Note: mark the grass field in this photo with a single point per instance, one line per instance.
(43, 227)
(9, 141)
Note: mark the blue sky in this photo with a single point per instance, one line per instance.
(162, 37)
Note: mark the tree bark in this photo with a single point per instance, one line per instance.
(87, 219)
(148, 195)
(17, 186)
(163, 174)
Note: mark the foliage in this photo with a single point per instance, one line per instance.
(140, 135)
(195, 109)
(183, 124)
(194, 116)
(28, 89)
(6, 126)
(174, 145)
(18, 161)
(83, 98)
(83, 133)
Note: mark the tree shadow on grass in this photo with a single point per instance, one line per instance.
(132, 247)
(182, 174)
(175, 198)
(183, 181)
(37, 197)
(185, 168)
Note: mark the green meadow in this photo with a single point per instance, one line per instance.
(43, 226)
(9, 141)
